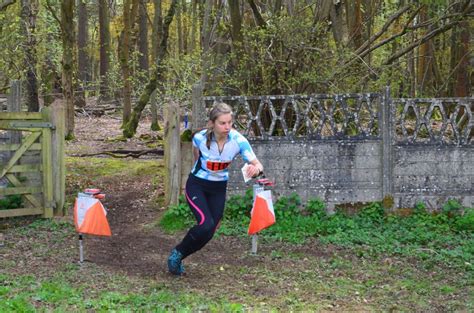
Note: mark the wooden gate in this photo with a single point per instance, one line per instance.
(39, 131)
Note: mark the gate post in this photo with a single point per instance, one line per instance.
(46, 155)
(387, 151)
(58, 119)
(172, 154)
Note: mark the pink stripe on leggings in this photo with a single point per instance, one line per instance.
(203, 218)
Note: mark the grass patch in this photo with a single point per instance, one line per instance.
(21, 294)
(95, 167)
(83, 172)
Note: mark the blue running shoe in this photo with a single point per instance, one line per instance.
(174, 263)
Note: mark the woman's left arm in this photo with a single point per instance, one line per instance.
(254, 168)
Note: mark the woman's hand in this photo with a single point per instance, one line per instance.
(254, 169)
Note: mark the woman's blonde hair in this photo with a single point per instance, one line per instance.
(218, 109)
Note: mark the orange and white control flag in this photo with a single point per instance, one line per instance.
(90, 217)
(262, 214)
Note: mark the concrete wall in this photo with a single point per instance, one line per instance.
(351, 171)
(335, 171)
(433, 175)
(397, 160)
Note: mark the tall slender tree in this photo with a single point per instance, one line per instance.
(143, 36)
(130, 8)
(104, 46)
(68, 38)
(29, 12)
(83, 67)
(82, 42)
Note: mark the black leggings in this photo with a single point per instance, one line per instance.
(206, 200)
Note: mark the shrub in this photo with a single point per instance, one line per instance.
(238, 206)
(11, 202)
(286, 207)
(465, 222)
(316, 207)
(177, 216)
(452, 206)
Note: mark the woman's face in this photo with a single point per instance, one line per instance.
(222, 125)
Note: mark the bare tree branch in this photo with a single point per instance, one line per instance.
(53, 13)
(385, 27)
(5, 3)
(256, 13)
(399, 34)
(421, 41)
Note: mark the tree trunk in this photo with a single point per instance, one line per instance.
(156, 77)
(184, 18)
(236, 25)
(206, 42)
(104, 43)
(67, 23)
(425, 59)
(83, 58)
(322, 10)
(460, 56)
(82, 40)
(143, 37)
(179, 29)
(129, 13)
(338, 23)
(157, 33)
(194, 26)
(29, 11)
(354, 22)
(256, 13)
(51, 78)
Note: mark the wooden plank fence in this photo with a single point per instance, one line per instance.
(34, 150)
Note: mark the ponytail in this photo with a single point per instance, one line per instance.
(208, 135)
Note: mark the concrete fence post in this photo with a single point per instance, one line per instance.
(387, 146)
(198, 118)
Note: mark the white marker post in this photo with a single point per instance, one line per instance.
(81, 250)
(257, 188)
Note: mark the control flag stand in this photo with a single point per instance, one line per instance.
(90, 217)
(262, 214)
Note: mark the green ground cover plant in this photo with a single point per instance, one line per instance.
(444, 237)
(25, 293)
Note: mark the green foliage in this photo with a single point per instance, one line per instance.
(465, 222)
(186, 136)
(11, 202)
(371, 232)
(440, 237)
(183, 71)
(238, 206)
(452, 207)
(316, 207)
(286, 207)
(177, 217)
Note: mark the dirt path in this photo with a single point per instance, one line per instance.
(139, 247)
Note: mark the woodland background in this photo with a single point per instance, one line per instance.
(122, 51)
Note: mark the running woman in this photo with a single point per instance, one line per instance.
(214, 148)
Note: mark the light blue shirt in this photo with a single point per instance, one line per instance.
(212, 163)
